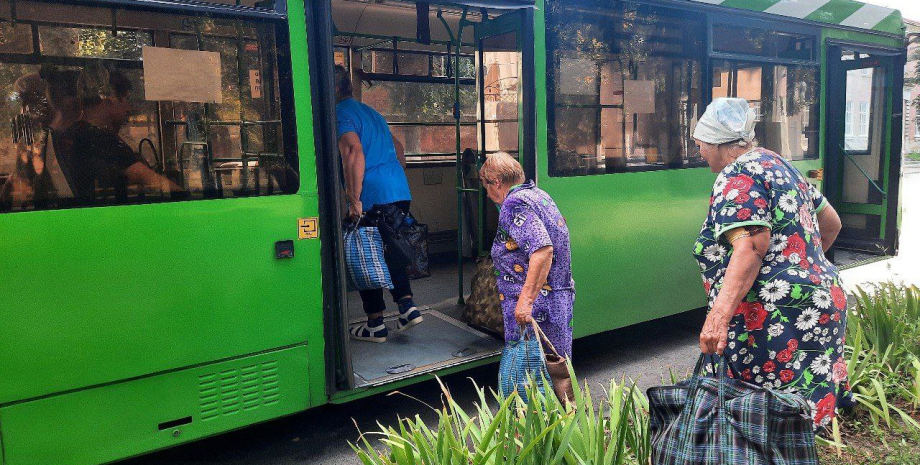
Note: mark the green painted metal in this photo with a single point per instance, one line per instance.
(93, 426)
(98, 296)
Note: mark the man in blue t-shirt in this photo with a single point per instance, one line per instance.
(375, 179)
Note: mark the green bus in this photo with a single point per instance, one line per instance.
(171, 198)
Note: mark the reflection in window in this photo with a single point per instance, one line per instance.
(859, 94)
(761, 42)
(848, 119)
(625, 85)
(420, 114)
(784, 99)
(80, 130)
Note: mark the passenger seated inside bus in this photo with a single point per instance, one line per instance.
(100, 163)
(160, 141)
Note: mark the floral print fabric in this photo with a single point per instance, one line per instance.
(788, 333)
(527, 221)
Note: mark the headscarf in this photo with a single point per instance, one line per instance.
(726, 120)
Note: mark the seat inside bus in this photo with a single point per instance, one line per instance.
(403, 65)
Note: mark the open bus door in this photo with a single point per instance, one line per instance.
(505, 83)
(864, 145)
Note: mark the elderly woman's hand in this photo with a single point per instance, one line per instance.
(714, 336)
(523, 311)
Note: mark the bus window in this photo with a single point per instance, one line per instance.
(783, 96)
(624, 87)
(78, 128)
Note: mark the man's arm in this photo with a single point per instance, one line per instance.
(139, 173)
(353, 162)
(400, 151)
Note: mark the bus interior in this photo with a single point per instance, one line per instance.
(221, 139)
(411, 62)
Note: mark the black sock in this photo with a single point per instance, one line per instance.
(374, 322)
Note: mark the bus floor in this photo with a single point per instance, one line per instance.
(441, 340)
(846, 258)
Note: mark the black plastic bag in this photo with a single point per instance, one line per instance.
(393, 224)
(417, 233)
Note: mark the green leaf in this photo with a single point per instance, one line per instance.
(699, 248)
(743, 336)
(807, 375)
(777, 214)
(751, 296)
(796, 290)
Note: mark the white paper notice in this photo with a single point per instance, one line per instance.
(255, 83)
(181, 75)
(639, 96)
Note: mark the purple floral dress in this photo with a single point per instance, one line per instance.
(528, 221)
(788, 332)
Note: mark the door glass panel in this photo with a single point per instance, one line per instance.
(856, 226)
(862, 138)
(501, 93)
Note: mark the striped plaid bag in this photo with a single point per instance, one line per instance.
(364, 262)
(716, 420)
(522, 360)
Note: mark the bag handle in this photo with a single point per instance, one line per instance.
(539, 332)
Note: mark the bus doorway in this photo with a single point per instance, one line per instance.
(863, 162)
(453, 84)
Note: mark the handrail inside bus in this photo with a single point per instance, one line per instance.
(861, 170)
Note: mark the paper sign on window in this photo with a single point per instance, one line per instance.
(639, 96)
(181, 75)
(255, 83)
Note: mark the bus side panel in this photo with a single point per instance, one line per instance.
(632, 235)
(98, 295)
(124, 419)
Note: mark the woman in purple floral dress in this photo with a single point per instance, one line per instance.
(777, 309)
(530, 253)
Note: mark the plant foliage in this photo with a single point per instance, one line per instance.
(543, 432)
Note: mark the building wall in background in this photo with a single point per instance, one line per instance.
(912, 95)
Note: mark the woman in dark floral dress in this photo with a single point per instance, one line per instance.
(531, 254)
(778, 312)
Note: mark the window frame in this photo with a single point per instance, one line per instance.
(275, 19)
(420, 159)
(722, 19)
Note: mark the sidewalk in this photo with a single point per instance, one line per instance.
(905, 267)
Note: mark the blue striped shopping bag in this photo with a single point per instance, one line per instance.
(364, 262)
(523, 361)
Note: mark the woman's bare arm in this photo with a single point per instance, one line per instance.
(743, 268)
(829, 226)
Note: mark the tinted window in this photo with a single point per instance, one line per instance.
(94, 117)
(626, 87)
(761, 42)
(785, 99)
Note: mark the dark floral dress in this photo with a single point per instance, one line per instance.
(788, 333)
(527, 221)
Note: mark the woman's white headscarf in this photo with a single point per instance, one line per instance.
(726, 120)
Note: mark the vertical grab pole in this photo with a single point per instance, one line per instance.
(457, 42)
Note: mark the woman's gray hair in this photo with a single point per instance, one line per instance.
(502, 167)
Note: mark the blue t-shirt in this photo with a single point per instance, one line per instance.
(384, 178)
